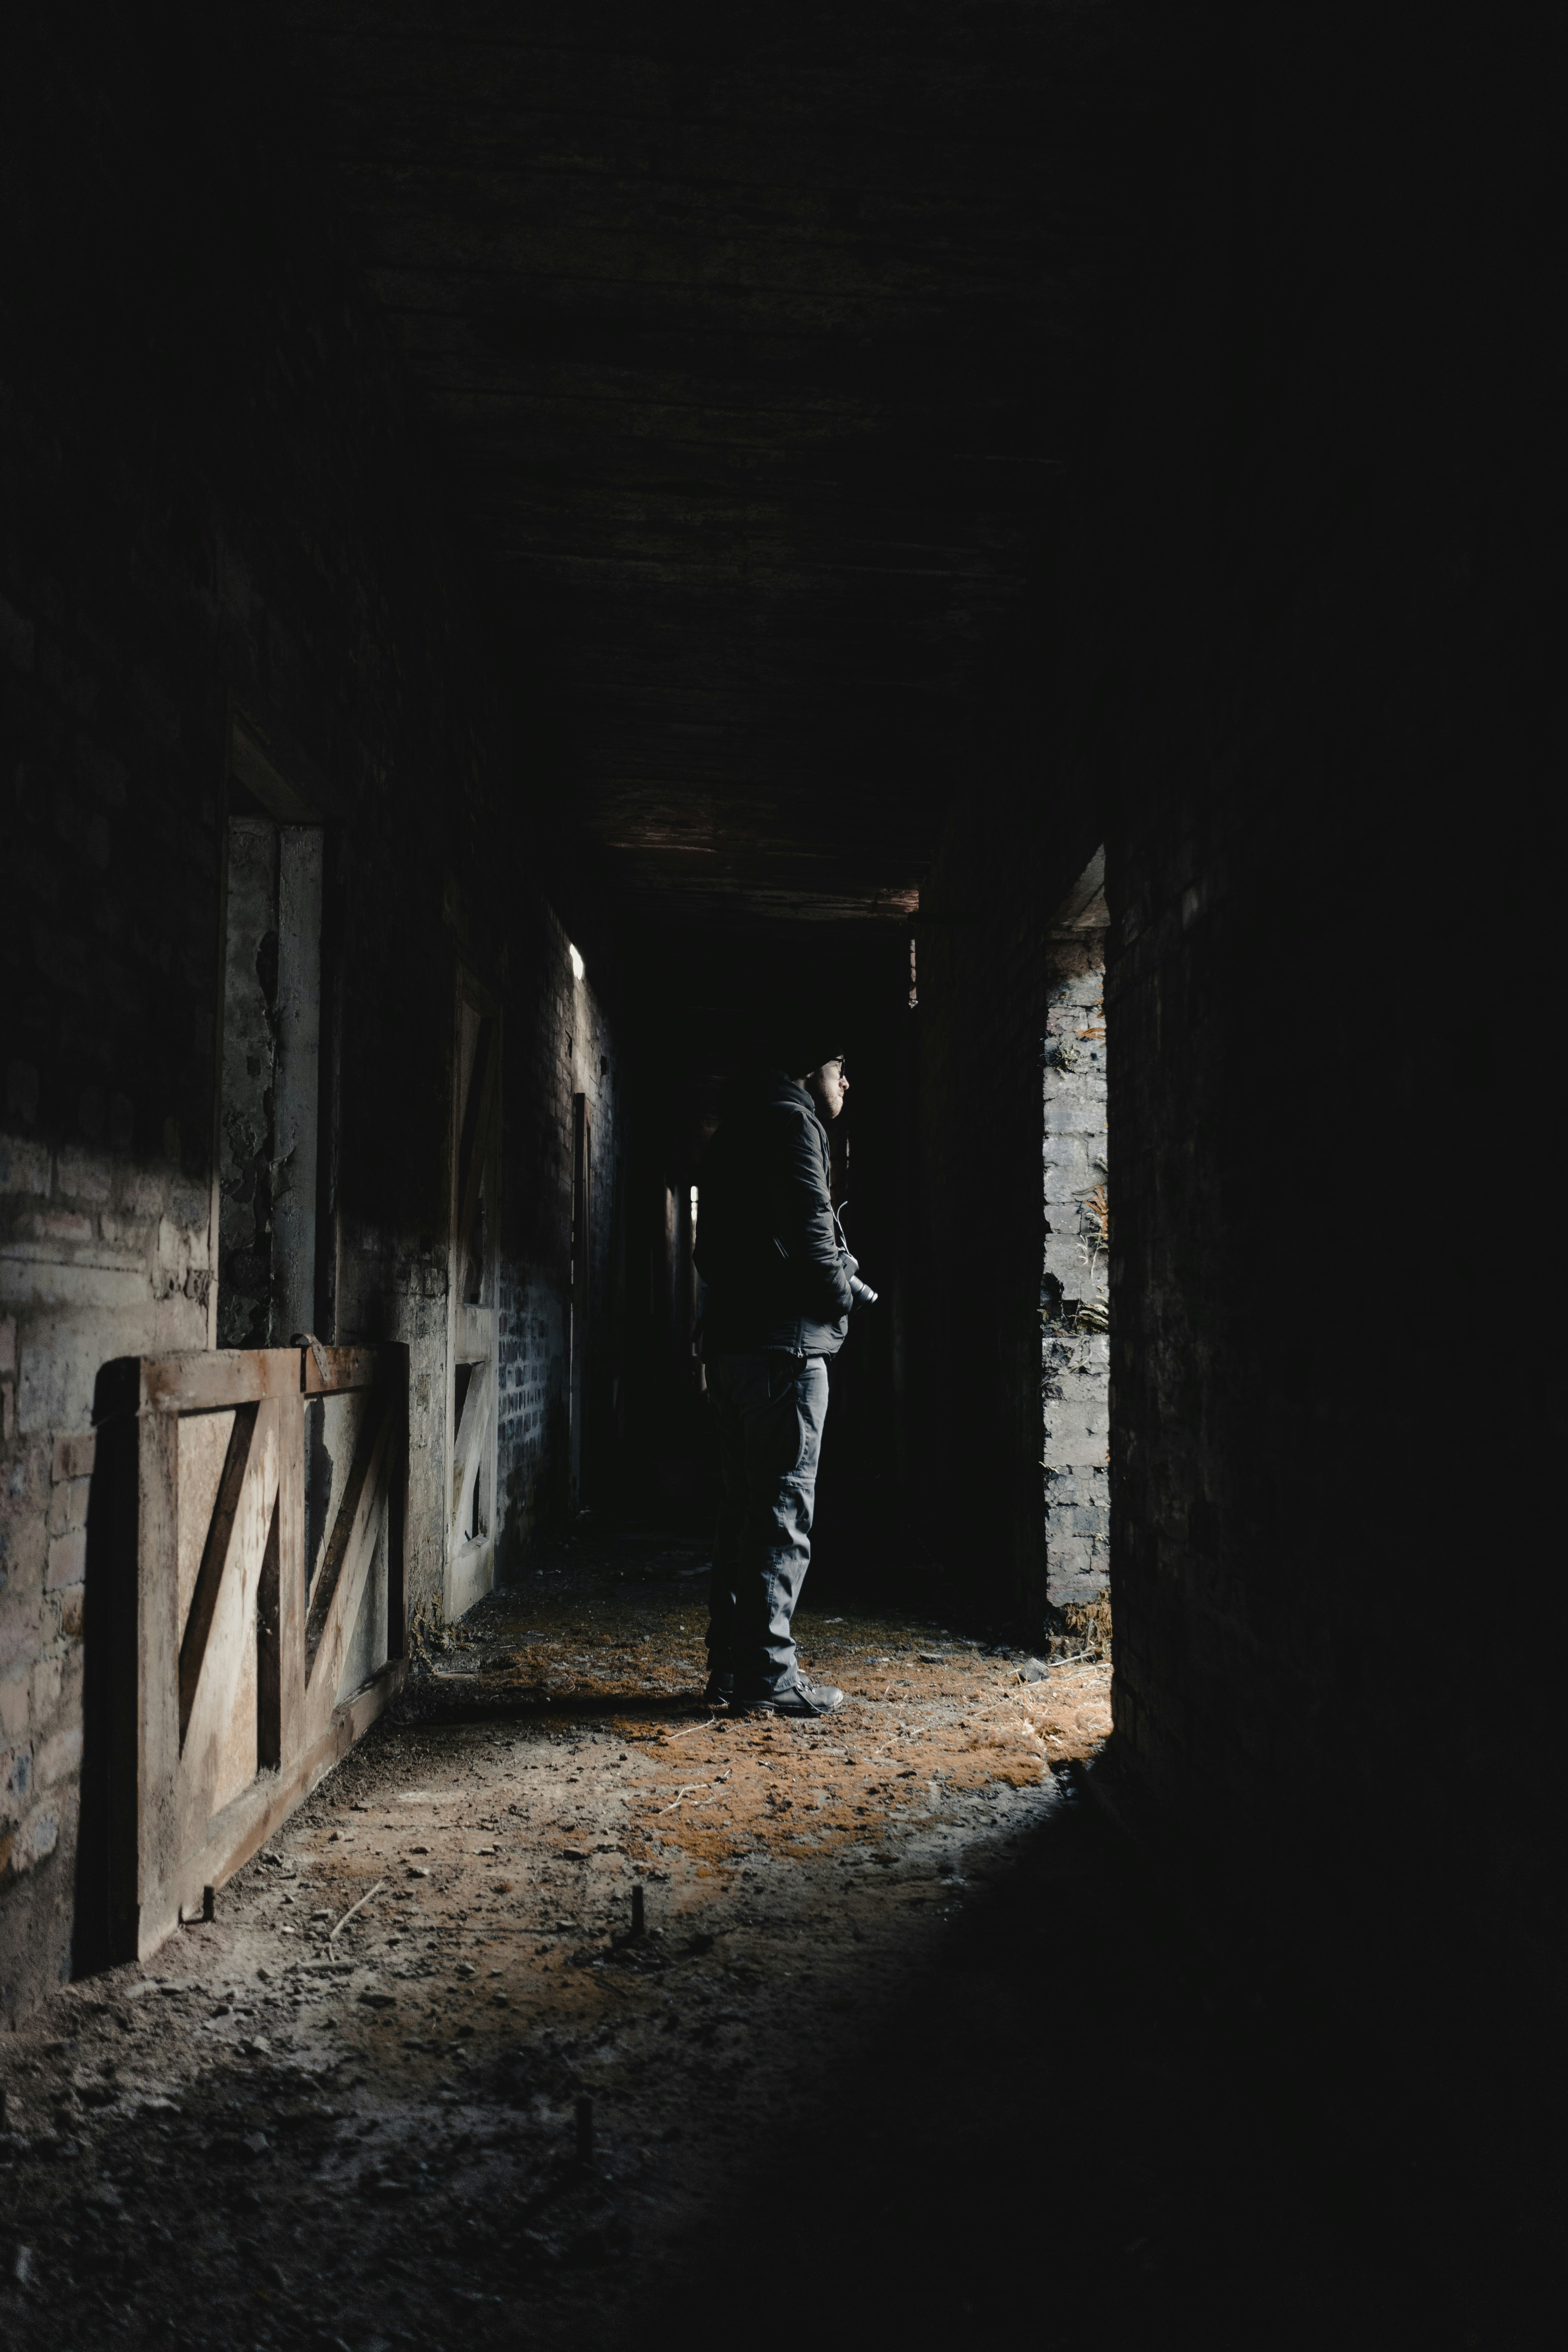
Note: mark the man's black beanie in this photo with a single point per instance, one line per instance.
(801, 1057)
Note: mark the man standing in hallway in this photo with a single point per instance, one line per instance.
(778, 1306)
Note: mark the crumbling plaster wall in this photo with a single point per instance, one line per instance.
(1075, 1344)
(240, 513)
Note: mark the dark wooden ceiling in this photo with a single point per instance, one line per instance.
(759, 336)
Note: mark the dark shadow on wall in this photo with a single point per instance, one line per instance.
(105, 1918)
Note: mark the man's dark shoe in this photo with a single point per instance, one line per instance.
(804, 1698)
(721, 1690)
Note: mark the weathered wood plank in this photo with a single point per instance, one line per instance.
(335, 1595)
(198, 1624)
(346, 1368)
(211, 1749)
(158, 1823)
(473, 1334)
(468, 1452)
(268, 1650)
(199, 1381)
(290, 1628)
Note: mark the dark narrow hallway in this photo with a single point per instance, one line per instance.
(759, 1565)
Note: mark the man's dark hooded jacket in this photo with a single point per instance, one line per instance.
(767, 1246)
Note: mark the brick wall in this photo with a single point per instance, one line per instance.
(218, 501)
(1074, 1345)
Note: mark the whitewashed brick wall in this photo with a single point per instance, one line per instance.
(1075, 1353)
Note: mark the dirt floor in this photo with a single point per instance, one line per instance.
(422, 2064)
(862, 2067)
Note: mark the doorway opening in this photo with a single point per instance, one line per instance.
(270, 1060)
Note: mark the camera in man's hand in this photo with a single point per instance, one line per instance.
(864, 1296)
(862, 1291)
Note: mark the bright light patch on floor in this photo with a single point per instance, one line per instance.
(578, 966)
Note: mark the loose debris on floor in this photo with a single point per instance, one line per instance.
(481, 2031)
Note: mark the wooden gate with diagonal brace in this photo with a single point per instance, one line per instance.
(259, 1555)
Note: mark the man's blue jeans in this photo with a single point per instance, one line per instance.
(770, 1410)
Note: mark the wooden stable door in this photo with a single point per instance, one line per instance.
(253, 1617)
(474, 1350)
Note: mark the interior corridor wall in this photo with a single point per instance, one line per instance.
(220, 505)
(1333, 589)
